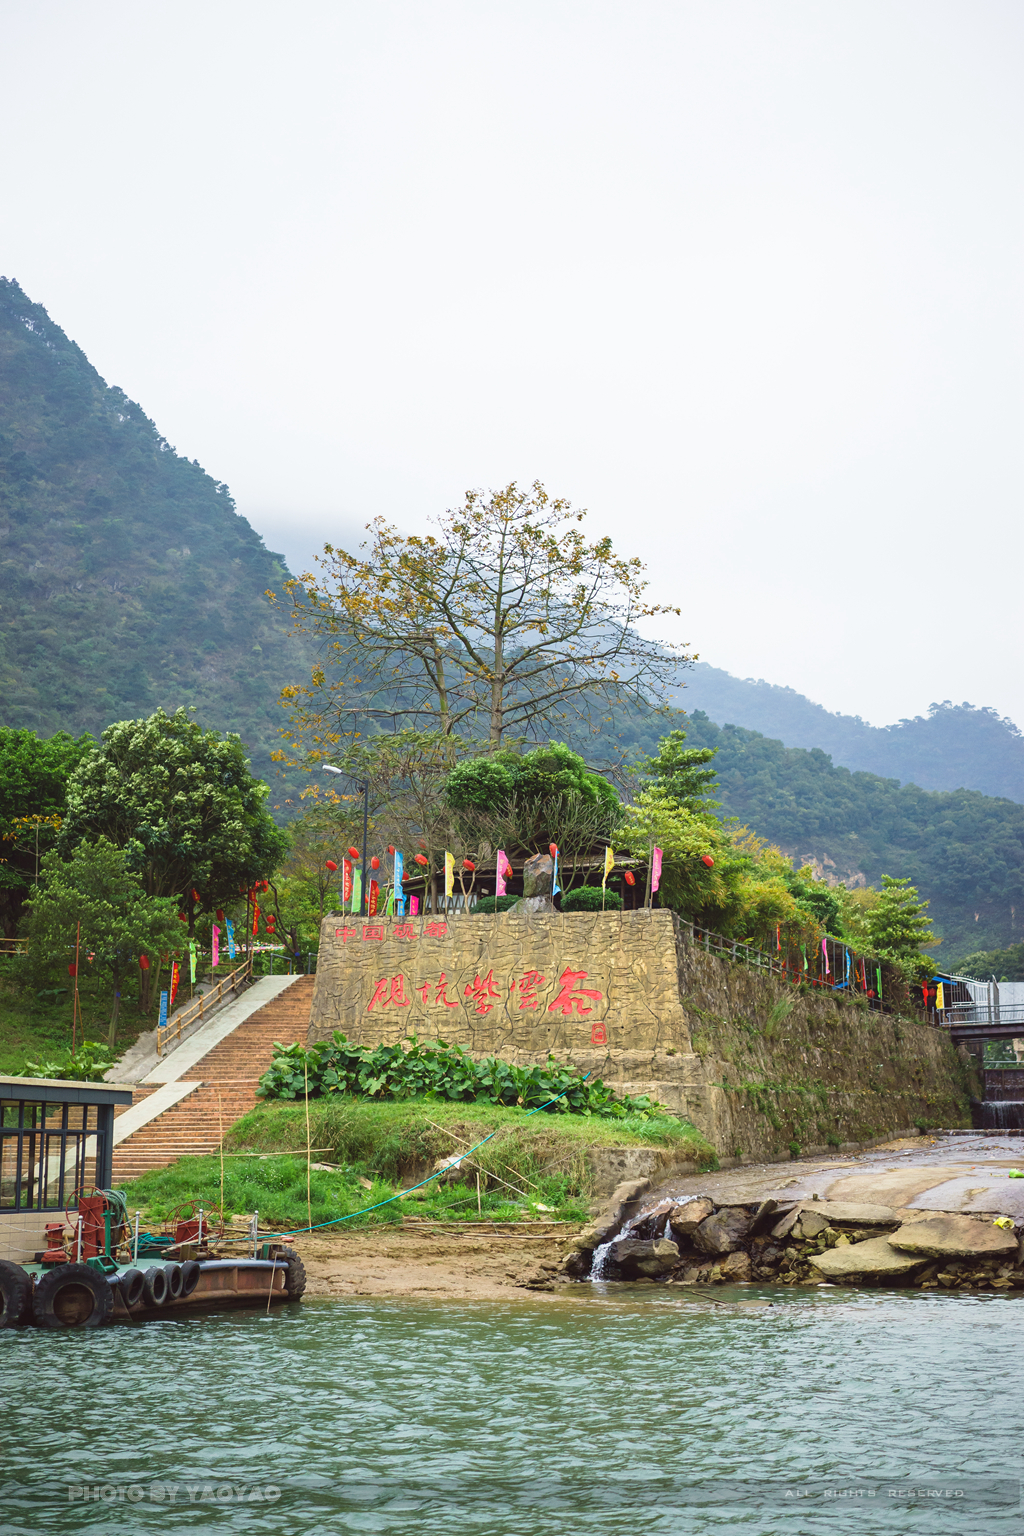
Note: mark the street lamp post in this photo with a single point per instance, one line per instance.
(363, 883)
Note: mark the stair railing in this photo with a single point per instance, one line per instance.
(202, 1004)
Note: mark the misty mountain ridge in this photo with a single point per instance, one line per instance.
(954, 746)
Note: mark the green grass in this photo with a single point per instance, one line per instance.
(36, 1029)
(392, 1145)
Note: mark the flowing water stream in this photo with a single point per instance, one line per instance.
(608, 1410)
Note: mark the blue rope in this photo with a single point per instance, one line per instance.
(298, 1231)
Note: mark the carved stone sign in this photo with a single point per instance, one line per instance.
(518, 985)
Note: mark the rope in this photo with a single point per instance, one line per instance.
(298, 1231)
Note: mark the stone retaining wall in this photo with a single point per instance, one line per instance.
(628, 996)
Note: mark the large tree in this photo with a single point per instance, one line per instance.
(93, 902)
(503, 622)
(33, 790)
(182, 803)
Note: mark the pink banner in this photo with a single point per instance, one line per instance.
(655, 870)
(414, 906)
(828, 968)
(499, 884)
(216, 945)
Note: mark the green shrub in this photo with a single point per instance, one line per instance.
(591, 898)
(87, 1065)
(438, 1071)
(494, 904)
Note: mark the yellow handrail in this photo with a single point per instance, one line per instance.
(196, 1009)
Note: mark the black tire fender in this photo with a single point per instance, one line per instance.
(132, 1284)
(294, 1275)
(15, 1295)
(72, 1296)
(173, 1273)
(190, 1272)
(154, 1286)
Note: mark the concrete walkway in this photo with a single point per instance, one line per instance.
(966, 1172)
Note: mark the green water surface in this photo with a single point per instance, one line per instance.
(609, 1410)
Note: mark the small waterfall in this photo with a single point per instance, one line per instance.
(599, 1264)
(1002, 1115)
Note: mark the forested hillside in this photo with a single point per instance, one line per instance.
(964, 851)
(127, 578)
(954, 746)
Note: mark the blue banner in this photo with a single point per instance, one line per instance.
(229, 925)
(163, 1010)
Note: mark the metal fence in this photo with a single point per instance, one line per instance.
(829, 966)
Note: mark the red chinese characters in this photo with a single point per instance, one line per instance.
(568, 999)
(440, 992)
(527, 989)
(598, 1033)
(436, 930)
(390, 993)
(403, 931)
(479, 991)
(344, 934)
(373, 932)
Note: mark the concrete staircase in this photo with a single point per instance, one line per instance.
(225, 1078)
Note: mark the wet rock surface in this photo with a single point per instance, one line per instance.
(957, 1237)
(724, 1231)
(874, 1257)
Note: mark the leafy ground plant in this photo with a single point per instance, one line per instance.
(441, 1071)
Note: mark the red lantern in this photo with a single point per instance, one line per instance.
(331, 866)
(421, 858)
(195, 895)
(144, 962)
(353, 853)
(553, 850)
(182, 918)
(375, 862)
(72, 969)
(468, 864)
(391, 847)
(630, 877)
(220, 914)
(708, 860)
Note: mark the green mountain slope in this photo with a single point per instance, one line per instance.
(963, 850)
(954, 746)
(127, 578)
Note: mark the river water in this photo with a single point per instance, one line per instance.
(614, 1410)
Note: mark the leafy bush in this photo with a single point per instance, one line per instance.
(88, 1065)
(591, 898)
(495, 904)
(440, 1071)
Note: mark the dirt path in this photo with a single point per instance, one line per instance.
(456, 1261)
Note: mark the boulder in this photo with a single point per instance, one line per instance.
(736, 1267)
(874, 1257)
(768, 1212)
(851, 1213)
(957, 1237)
(784, 1227)
(608, 1217)
(724, 1232)
(644, 1255)
(652, 1224)
(688, 1214)
(810, 1224)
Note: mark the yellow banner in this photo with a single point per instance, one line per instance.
(609, 865)
(449, 874)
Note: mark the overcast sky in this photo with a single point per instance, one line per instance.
(743, 279)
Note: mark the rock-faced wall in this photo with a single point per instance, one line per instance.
(628, 996)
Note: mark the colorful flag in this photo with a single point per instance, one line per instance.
(940, 996)
(346, 883)
(374, 899)
(828, 968)
(499, 883)
(389, 905)
(804, 953)
(555, 887)
(414, 906)
(215, 947)
(175, 978)
(655, 870)
(399, 873)
(357, 890)
(192, 961)
(230, 927)
(163, 1010)
(609, 865)
(449, 873)
(878, 978)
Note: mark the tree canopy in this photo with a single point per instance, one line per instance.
(182, 804)
(33, 790)
(503, 621)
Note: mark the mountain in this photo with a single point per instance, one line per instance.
(954, 746)
(963, 850)
(127, 578)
